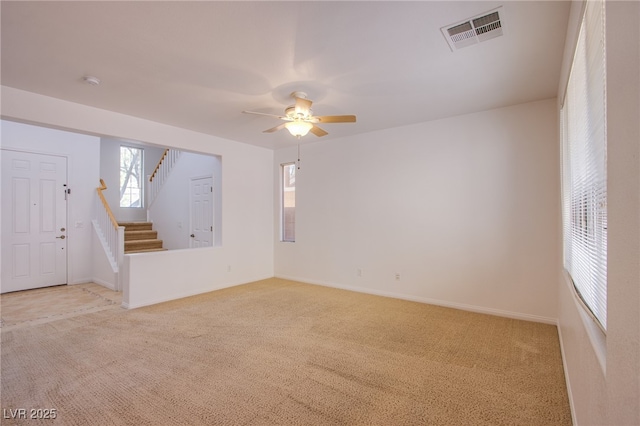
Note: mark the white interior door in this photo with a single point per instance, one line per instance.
(34, 221)
(201, 201)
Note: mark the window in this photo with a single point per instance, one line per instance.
(584, 173)
(131, 179)
(288, 202)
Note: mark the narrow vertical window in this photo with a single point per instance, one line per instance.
(131, 179)
(584, 166)
(288, 202)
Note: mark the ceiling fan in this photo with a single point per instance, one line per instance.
(299, 119)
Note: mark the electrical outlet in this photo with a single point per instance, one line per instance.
(359, 272)
(228, 268)
(397, 276)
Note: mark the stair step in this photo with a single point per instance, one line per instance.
(136, 226)
(144, 250)
(142, 245)
(140, 235)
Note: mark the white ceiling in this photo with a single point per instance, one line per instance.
(197, 65)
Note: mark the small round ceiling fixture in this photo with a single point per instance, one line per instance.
(89, 79)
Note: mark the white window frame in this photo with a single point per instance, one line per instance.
(142, 179)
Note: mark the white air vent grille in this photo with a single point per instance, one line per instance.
(474, 30)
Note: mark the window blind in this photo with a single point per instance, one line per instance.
(288, 195)
(584, 149)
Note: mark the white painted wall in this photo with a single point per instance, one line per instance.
(247, 199)
(183, 273)
(110, 173)
(465, 209)
(82, 154)
(170, 212)
(611, 396)
(101, 269)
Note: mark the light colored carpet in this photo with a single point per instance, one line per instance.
(26, 308)
(281, 352)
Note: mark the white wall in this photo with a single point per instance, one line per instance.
(110, 173)
(103, 272)
(82, 154)
(247, 199)
(611, 396)
(464, 208)
(170, 212)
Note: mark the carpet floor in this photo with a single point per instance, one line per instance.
(27, 308)
(278, 352)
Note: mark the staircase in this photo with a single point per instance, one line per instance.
(139, 237)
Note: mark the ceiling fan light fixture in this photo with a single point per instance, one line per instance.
(298, 128)
(299, 120)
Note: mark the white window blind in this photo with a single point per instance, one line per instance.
(584, 173)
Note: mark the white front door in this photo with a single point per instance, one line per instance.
(34, 221)
(201, 212)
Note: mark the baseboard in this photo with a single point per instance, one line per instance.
(446, 304)
(81, 281)
(566, 376)
(177, 296)
(182, 295)
(461, 306)
(106, 284)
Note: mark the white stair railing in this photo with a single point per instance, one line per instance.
(161, 173)
(112, 233)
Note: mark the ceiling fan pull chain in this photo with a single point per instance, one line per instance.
(298, 152)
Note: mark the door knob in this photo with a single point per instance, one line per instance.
(193, 236)
(62, 237)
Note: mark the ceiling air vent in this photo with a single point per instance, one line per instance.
(474, 30)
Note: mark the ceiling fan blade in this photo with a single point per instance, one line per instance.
(303, 107)
(274, 129)
(336, 118)
(318, 131)
(264, 113)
